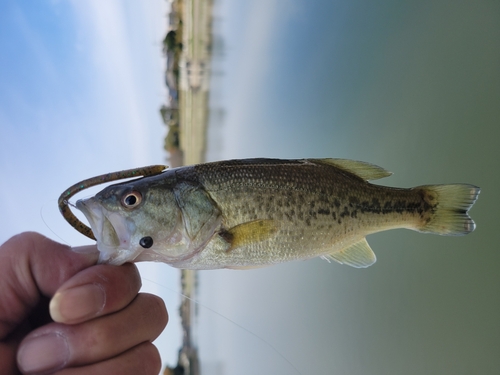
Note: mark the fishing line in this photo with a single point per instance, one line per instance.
(42, 208)
(269, 345)
(47, 212)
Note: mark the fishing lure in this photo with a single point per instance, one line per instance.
(63, 201)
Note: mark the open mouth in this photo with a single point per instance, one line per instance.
(110, 230)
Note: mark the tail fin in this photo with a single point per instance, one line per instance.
(451, 204)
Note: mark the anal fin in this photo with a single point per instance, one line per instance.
(358, 255)
(249, 233)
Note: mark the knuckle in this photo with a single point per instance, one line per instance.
(158, 310)
(152, 359)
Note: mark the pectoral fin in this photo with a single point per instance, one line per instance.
(358, 255)
(249, 233)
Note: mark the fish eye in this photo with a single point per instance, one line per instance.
(131, 199)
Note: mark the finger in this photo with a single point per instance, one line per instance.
(142, 359)
(30, 265)
(8, 349)
(95, 291)
(55, 345)
(7, 358)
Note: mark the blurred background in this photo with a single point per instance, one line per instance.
(412, 86)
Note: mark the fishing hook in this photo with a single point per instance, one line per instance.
(85, 184)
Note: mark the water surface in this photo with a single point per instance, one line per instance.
(411, 86)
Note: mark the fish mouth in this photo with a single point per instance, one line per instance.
(111, 231)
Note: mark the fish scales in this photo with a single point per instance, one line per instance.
(257, 212)
(319, 207)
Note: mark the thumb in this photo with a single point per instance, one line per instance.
(33, 266)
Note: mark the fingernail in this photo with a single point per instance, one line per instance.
(43, 353)
(77, 304)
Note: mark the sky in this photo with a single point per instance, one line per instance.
(410, 86)
(81, 87)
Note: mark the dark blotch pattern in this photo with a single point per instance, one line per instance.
(324, 211)
(305, 194)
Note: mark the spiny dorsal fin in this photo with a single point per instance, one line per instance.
(362, 169)
(248, 233)
(358, 255)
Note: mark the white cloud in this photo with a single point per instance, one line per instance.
(112, 53)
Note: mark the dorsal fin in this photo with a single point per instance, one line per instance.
(362, 169)
(358, 255)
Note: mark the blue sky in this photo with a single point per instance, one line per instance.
(81, 86)
(78, 67)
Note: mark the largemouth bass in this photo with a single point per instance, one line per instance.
(258, 212)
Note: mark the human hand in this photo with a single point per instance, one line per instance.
(100, 324)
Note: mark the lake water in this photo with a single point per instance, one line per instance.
(411, 86)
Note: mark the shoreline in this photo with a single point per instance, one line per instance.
(187, 118)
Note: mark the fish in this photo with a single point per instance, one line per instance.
(251, 213)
